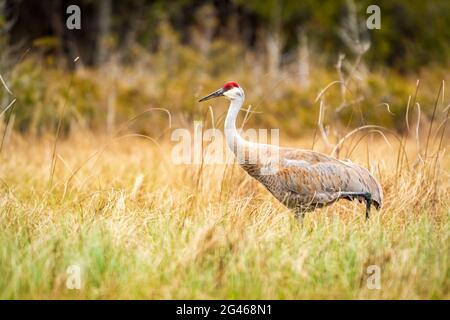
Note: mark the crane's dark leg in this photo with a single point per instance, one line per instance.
(352, 195)
(368, 198)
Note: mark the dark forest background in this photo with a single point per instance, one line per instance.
(139, 54)
(414, 33)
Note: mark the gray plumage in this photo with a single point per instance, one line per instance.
(301, 179)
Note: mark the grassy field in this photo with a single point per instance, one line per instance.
(88, 180)
(141, 227)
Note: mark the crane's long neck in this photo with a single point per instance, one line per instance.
(234, 140)
(247, 153)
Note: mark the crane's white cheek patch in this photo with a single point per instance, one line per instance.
(233, 93)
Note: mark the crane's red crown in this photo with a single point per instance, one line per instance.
(230, 85)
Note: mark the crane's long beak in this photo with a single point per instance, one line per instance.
(215, 94)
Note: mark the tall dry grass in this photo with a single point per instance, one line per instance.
(141, 227)
(114, 203)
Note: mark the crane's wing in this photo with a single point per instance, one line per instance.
(318, 179)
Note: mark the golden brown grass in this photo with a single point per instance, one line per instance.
(141, 227)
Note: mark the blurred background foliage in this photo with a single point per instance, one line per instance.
(135, 55)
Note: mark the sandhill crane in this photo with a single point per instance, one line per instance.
(300, 179)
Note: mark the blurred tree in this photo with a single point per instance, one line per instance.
(412, 34)
(104, 29)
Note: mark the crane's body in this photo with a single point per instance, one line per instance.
(302, 180)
